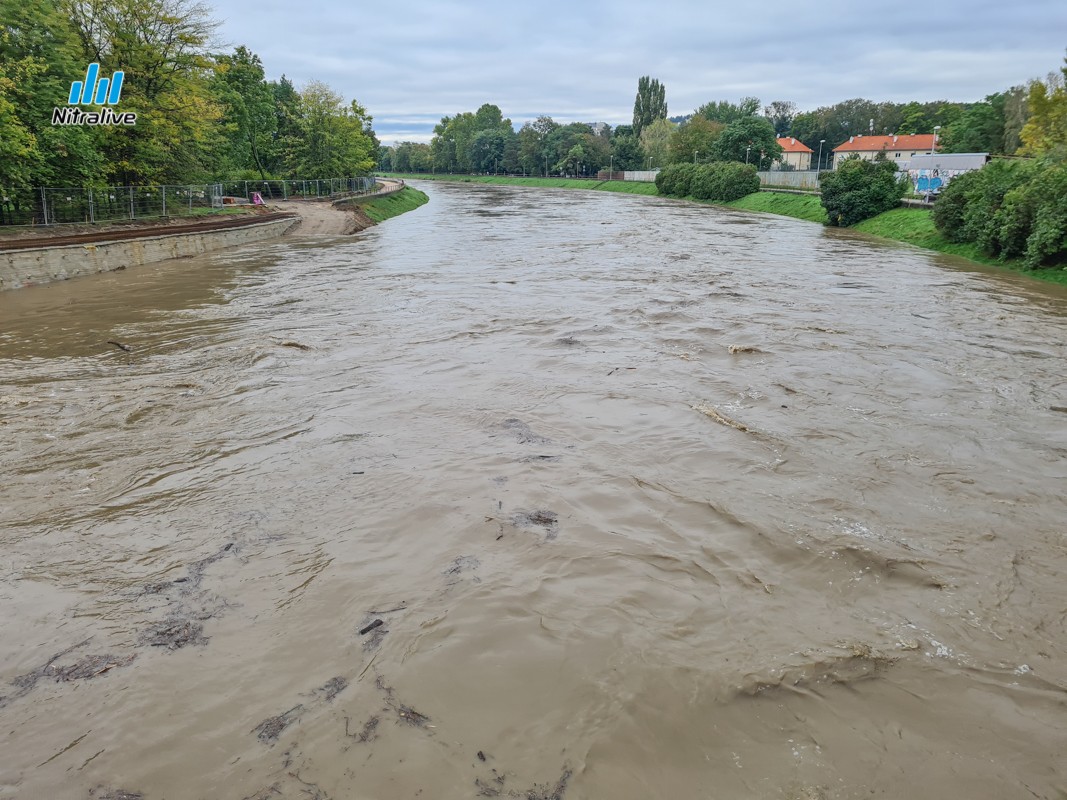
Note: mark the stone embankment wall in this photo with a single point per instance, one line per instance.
(37, 265)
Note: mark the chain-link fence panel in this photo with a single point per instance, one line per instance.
(53, 206)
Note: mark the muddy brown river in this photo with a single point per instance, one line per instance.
(652, 500)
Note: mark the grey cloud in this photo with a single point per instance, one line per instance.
(414, 62)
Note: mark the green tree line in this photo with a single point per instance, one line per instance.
(202, 115)
(1003, 123)
(1017, 208)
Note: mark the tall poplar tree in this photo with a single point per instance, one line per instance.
(650, 103)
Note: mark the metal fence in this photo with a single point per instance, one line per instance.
(792, 179)
(52, 206)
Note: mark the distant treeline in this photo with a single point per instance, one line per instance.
(1021, 120)
(201, 115)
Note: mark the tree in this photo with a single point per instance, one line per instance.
(454, 137)
(693, 140)
(650, 103)
(859, 189)
(1016, 113)
(1045, 132)
(487, 149)
(979, 129)
(914, 119)
(571, 160)
(39, 57)
(20, 157)
(655, 141)
(410, 157)
(533, 153)
(781, 113)
(331, 143)
(750, 140)
(725, 112)
(163, 45)
(249, 112)
(626, 152)
(562, 141)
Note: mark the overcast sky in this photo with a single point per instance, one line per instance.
(412, 62)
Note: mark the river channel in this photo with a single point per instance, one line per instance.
(652, 500)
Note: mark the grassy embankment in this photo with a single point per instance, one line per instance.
(379, 209)
(913, 226)
(916, 226)
(800, 206)
(625, 187)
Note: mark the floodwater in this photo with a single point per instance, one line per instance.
(653, 501)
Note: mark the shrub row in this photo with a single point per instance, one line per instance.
(721, 181)
(1010, 209)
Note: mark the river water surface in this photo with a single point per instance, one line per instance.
(653, 500)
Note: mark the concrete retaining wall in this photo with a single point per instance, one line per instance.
(46, 264)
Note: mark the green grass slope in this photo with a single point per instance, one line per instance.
(916, 226)
(380, 209)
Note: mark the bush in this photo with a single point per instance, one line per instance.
(721, 181)
(983, 202)
(1047, 243)
(706, 183)
(1009, 209)
(738, 180)
(1014, 221)
(951, 205)
(674, 179)
(724, 181)
(859, 190)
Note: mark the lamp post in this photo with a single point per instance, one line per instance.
(650, 163)
(746, 153)
(933, 147)
(695, 154)
(819, 165)
(611, 167)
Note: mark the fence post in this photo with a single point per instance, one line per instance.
(190, 190)
(285, 192)
(44, 205)
(164, 190)
(92, 211)
(133, 214)
(246, 190)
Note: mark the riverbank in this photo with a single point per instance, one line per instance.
(32, 262)
(912, 226)
(63, 252)
(386, 206)
(624, 187)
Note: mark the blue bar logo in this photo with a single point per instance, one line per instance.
(102, 92)
(94, 91)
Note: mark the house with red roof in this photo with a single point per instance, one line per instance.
(795, 154)
(899, 148)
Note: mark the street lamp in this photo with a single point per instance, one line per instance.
(650, 163)
(611, 167)
(746, 153)
(695, 154)
(819, 166)
(933, 147)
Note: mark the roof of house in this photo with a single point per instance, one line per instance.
(865, 144)
(791, 145)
